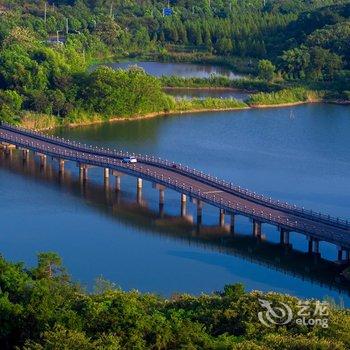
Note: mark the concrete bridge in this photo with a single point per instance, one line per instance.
(199, 187)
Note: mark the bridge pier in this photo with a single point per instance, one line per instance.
(284, 237)
(42, 158)
(347, 255)
(25, 155)
(118, 175)
(222, 218)
(106, 178)
(161, 190)
(183, 205)
(61, 166)
(257, 228)
(316, 247)
(310, 245)
(139, 190)
(8, 153)
(161, 202)
(340, 253)
(161, 196)
(232, 223)
(117, 183)
(199, 212)
(8, 150)
(83, 172)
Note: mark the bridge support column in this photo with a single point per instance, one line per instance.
(222, 218)
(61, 166)
(161, 196)
(25, 155)
(347, 255)
(161, 202)
(232, 224)
(8, 150)
(42, 160)
(118, 175)
(117, 183)
(83, 172)
(310, 245)
(106, 179)
(340, 253)
(139, 191)
(183, 204)
(8, 153)
(316, 247)
(199, 212)
(257, 228)
(284, 237)
(161, 190)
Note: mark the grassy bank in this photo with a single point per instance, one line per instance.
(41, 308)
(285, 96)
(81, 117)
(197, 104)
(250, 85)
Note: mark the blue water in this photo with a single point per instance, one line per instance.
(186, 70)
(299, 154)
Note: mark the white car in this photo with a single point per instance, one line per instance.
(130, 159)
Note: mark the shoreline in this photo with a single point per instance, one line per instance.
(193, 111)
(287, 104)
(144, 116)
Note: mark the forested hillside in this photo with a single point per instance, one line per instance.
(46, 47)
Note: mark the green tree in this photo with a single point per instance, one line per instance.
(49, 266)
(224, 46)
(266, 70)
(10, 105)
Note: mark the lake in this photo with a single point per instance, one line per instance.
(298, 154)
(186, 70)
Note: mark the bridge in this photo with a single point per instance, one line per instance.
(201, 188)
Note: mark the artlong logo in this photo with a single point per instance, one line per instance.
(309, 314)
(278, 315)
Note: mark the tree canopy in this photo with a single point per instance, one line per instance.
(41, 308)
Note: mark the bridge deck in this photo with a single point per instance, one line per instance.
(193, 183)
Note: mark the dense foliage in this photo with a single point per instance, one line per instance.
(55, 81)
(47, 47)
(40, 308)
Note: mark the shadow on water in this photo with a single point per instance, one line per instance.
(134, 212)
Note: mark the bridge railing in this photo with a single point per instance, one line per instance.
(218, 201)
(186, 169)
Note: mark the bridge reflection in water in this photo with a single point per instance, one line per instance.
(136, 213)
